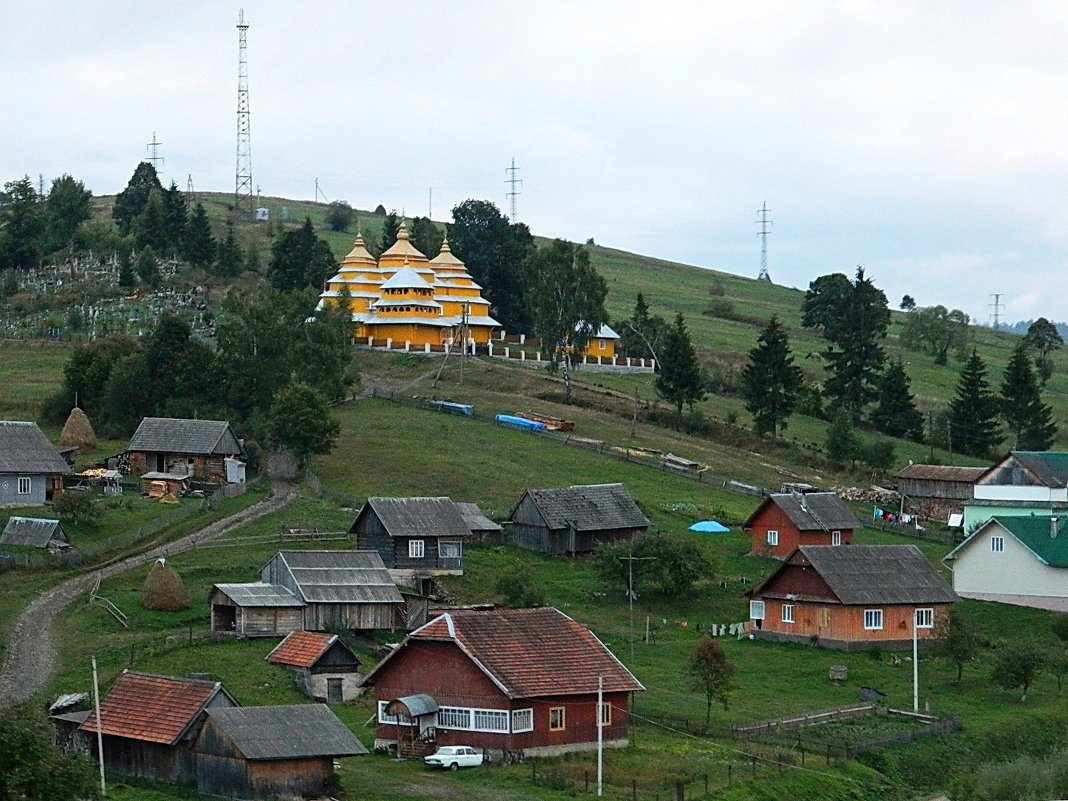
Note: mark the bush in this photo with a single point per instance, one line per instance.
(76, 507)
(517, 589)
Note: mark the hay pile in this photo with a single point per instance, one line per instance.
(78, 431)
(163, 590)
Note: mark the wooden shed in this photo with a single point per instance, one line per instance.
(483, 529)
(934, 491)
(255, 610)
(572, 520)
(786, 520)
(182, 446)
(271, 751)
(35, 532)
(325, 667)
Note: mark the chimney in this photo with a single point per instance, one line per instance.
(1053, 528)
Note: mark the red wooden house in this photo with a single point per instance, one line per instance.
(851, 598)
(508, 681)
(785, 521)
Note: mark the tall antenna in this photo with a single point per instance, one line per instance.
(243, 176)
(995, 315)
(513, 193)
(764, 222)
(189, 185)
(153, 151)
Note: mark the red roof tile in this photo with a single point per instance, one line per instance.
(157, 709)
(301, 649)
(533, 652)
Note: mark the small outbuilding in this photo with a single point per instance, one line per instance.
(325, 667)
(183, 447)
(35, 532)
(787, 520)
(935, 491)
(572, 520)
(483, 529)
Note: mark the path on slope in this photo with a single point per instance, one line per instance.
(30, 659)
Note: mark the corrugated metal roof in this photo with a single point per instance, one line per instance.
(530, 652)
(416, 517)
(474, 519)
(156, 709)
(301, 731)
(938, 472)
(177, 435)
(25, 449)
(811, 511)
(35, 532)
(341, 577)
(588, 507)
(259, 593)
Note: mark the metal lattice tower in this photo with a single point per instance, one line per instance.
(153, 151)
(243, 179)
(763, 222)
(512, 181)
(995, 315)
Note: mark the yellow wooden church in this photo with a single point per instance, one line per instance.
(406, 299)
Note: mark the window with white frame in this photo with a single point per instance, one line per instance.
(873, 619)
(557, 718)
(491, 720)
(522, 720)
(997, 544)
(416, 549)
(756, 610)
(403, 720)
(602, 345)
(836, 537)
(925, 618)
(25, 485)
(773, 537)
(787, 613)
(605, 717)
(453, 717)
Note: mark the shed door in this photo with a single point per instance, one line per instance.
(333, 691)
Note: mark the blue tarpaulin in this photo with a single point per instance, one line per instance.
(709, 527)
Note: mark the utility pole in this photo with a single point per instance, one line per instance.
(764, 222)
(630, 560)
(99, 730)
(512, 181)
(243, 174)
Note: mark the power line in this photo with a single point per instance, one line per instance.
(512, 181)
(764, 222)
(243, 174)
(153, 151)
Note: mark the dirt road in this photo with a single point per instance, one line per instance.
(30, 655)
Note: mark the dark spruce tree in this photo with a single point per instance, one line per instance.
(771, 381)
(426, 236)
(679, 378)
(229, 257)
(66, 208)
(175, 218)
(973, 412)
(390, 228)
(300, 259)
(895, 413)
(199, 243)
(131, 201)
(1029, 420)
(642, 334)
(842, 445)
(21, 225)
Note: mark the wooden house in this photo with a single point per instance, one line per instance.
(786, 520)
(482, 528)
(521, 682)
(1021, 483)
(261, 752)
(325, 667)
(183, 447)
(416, 537)
(850, 598)
(31, 469)
(311, 590)
(935, 491)
(1015, 559)
(35, 532)
(149, 725)
(572, 520)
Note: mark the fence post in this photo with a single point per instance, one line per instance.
(754, 766)
(586, 776)
(534, 772)
(680, 791)
(633, 790)
(730, 770)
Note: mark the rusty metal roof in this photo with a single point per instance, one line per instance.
(156, 709)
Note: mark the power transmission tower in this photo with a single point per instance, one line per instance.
(153, 151)
(512, 181)
(243, 176)
(189, 185)
(764, 222)
(995, 315)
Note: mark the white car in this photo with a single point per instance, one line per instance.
(453, 757)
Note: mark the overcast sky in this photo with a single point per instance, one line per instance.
(926, 142)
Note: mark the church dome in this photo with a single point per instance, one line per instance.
(402, 250)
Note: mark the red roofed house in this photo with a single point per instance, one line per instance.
(509, 681)
(151, 724)
(325, 667)
(785, 521)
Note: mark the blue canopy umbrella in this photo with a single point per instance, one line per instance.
(709, 527)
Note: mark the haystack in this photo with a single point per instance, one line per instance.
(78, 431)
(163, 590)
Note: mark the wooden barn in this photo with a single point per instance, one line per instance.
(572, 520)
(325, 667)
(31, 469)
(150, 724)
(414, 536)
(483, 529)
(271, 751)
(311, 590)
(183, 447)
(521, 682)
(786, 520)
(934, 491)
(850, 598)
(35, 532)
(1020, 483)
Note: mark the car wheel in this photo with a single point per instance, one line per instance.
(453, 766)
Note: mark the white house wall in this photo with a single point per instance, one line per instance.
(1005, 492)
(1016, 571)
